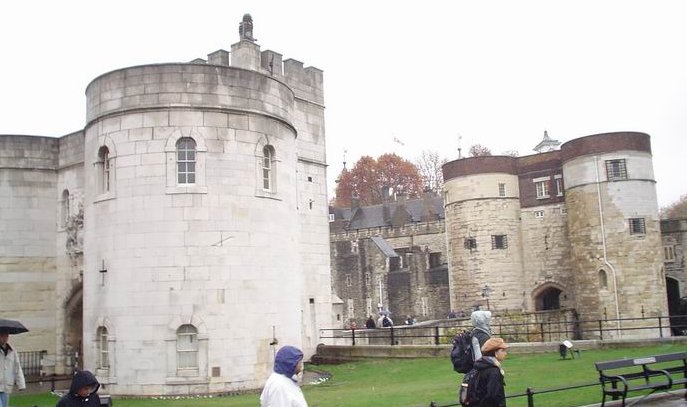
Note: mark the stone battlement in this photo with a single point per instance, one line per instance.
(388, 231)
(306, 82)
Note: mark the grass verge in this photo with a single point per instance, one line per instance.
(416, 382)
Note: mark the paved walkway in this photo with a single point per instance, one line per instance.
(662, 399)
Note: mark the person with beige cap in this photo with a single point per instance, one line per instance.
(488, 385)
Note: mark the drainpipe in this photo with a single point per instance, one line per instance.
(603, 244)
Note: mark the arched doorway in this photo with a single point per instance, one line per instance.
(678, 324)
(549, 298)
(73, 330)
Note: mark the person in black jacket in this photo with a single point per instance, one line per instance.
(82, 392)
(489, 383)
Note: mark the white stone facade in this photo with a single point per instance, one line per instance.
(205, 232)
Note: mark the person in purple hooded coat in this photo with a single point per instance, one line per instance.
(281, 389)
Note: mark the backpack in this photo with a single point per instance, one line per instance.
(461, 354)
(467, 394)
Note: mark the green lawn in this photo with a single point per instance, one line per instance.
(416, 382)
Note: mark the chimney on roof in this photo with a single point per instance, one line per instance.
(355, 202)
(429, 214)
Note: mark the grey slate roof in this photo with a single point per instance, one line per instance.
(384, 246)
(373, 216)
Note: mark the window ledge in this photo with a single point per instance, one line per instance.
(104, 377)
(104, 197)
(187, 380)
(543, 197)
(268, 195)
(186, 190)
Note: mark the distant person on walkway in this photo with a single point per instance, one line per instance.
(10, 370)
(82, 392)
(481, 332)
(409, 320)
(489, 383)
(281, 389)
(451, 314)
(370, 323)
(387, 322)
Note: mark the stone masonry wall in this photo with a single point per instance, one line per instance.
(546, 253)
(27, 248)
(415, 289)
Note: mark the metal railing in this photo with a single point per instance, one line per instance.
(545, 331)
(530, 393)
(31, 362)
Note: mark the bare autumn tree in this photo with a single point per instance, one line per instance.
(511, 153)
(429, 165)
(478, 150)
(368, 176)
(676, 210)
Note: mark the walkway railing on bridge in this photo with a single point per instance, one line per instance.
(443, 331)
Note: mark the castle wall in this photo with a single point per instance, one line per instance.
(68, 192)
(674, 239)
(477, 210)
(599, 213)
(222, 254)
(546, 254)
(27, 248)
(414, 289)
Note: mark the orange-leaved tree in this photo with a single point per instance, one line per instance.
(369, 177)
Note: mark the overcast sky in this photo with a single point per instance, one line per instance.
(435, 75)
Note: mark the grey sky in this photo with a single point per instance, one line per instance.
(497, 73)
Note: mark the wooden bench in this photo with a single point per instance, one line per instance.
(637, 375)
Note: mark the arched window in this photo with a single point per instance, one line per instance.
(105, 181)
(186, 161)
(65, 208)
(103, 350)
(187, 347)
(603, 279)
(267, 168)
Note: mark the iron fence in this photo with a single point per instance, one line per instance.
(530, 393)
(544, 331)
(31, 362)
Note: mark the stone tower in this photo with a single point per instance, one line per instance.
(484, 233)
(205, 221)
(614, 227)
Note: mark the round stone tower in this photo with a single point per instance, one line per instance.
(484, 237)
(614, 228)
(194, 222)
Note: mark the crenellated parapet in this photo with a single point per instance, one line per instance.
(390, 232)
(306, 82)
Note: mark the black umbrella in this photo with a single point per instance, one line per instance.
(9, 326)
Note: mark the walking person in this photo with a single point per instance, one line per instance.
(489, 384)
(11, 374)
(481, 331)
(82, 392)
(370, 323)
(281, 389)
